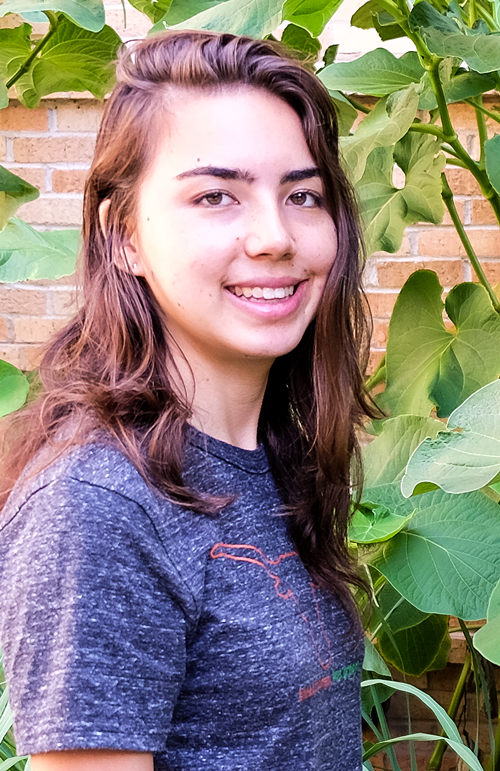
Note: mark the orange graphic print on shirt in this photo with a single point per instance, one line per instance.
(272, 567)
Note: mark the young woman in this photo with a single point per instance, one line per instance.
(174, 574)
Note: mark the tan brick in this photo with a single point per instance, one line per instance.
(440, 242)
(64, 303)
(35, 329)
(375, 359)
(4, 331)
(394, 274)
(25, 357)
(63, 281)
(19, 118)
(486, 243)
(492, 271)
(381, 305)
(460, 209)
(2, 148)
(79, 116)
(35, 177)
(482, 213)
(380, 332)
(402, 251)
(53, 211)
(68, 180)
(462, 182)
(462, 117)
(53, 149)
(20, 300)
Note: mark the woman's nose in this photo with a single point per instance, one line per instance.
(269, 234)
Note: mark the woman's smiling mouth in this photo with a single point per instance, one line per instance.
(263, 292)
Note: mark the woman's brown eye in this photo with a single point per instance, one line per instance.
(214, 198)
(299, 198)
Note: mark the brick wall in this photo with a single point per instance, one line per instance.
(52, 148)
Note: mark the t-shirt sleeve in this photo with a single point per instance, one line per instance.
(93, 625)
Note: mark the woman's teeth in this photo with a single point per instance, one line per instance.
(263, 292)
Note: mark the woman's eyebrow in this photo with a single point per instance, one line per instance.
(245, 176)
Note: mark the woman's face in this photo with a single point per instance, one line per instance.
(232, 234)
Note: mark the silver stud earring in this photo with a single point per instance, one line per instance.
(134, 266)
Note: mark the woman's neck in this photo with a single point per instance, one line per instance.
(226, 398)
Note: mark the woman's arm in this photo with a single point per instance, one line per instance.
(92, 760)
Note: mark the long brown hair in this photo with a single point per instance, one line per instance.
(111, 367)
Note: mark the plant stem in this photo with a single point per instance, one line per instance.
(357, 105)
(437, 756)
(450, 205)
(432, 68)
(472, 13)
(493, 115)
(493, 763)
(481, 685)
(54, 23)
(481, 129)
(429, 128)
(378, 376)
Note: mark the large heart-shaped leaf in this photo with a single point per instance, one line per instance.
(88, 14)
(14, 191)
(487, 639)
(459, 462)
(387, 123)
(74, 59)
(445, 36)
(388, 210)
(419, 648)
(14, 388)
(27, 254)
(256, 18)
(447, 559)
(377, 73)
(429, 365)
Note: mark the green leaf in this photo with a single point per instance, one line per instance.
(417, 649)
(373, 661)
(492, 157)
(74, 59)
(178, 11)
(28, 254)
(313, 15)
(428, 365)
(387, 123)
(457, 746)
(14, 191)
(445, 37)
(346, 113)
(88, 14)
(371, 15)
(373, 523)
(301, 41)
(464, 461)
(447, 559)
(330, 54)
(151, 8)
(4, 96)
(377, 73)
(487, 639)
(256, 18)
(14, 388)
(387, 210)
(15, 47)
(461, 86)
(395, 612)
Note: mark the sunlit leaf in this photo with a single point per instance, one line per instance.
(444, 36)
(88, 14)
(459, 462)
(256, 18)
(27, 254)
(377, 73)
(313, 15)
(387, 123)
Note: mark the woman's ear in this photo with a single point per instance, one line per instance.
(129, 259)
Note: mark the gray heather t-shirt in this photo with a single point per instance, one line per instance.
(130, 623)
